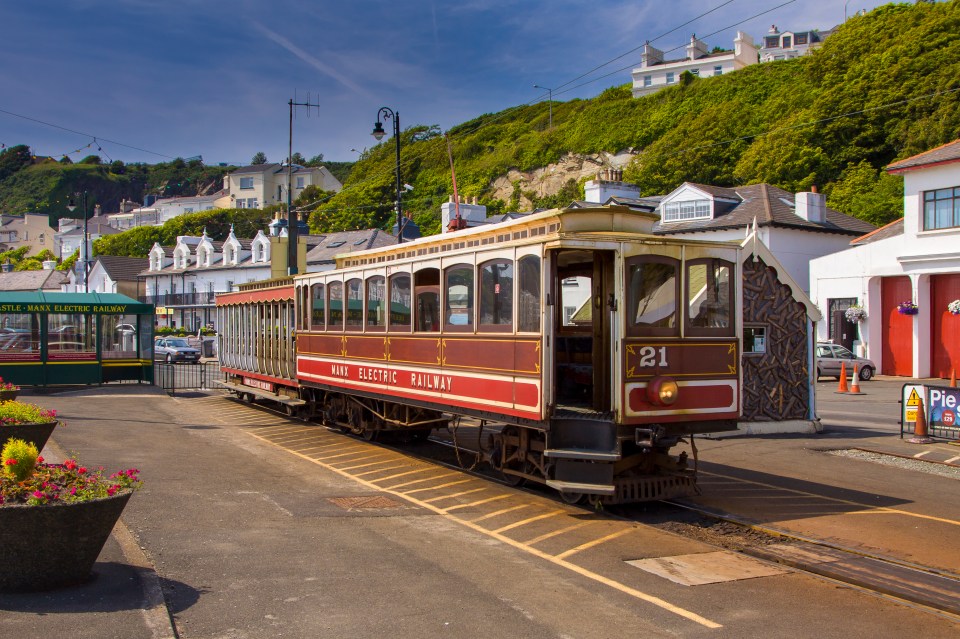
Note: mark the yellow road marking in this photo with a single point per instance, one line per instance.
(374, 456)
(477, 503)
(460, 494)
(379, 470)
(447, 485)
(409, 472)
(389, 460)
(500, 512)
(517, 524)
(583, 572)
(846, 501)
(595, 542)
(561, 531)
(347, 454)
(420, 481)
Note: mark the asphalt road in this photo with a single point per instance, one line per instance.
(259, 526)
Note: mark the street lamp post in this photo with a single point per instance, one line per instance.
(71, 206)
(549, 99)
(378, 133)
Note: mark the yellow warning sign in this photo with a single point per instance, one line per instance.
(914, 399)
(911, 415)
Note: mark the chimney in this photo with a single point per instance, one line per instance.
(696, 48)
(650, 55)
(811, 206)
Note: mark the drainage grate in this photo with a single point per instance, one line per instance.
(369, 502)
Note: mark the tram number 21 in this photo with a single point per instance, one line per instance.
(651, 356)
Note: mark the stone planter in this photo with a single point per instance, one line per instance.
(6, 395)
(55, 545)
(36, 434)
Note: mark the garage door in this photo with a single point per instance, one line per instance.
(944, 327)
(897, 329)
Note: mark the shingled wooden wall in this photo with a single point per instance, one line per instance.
(775, 384)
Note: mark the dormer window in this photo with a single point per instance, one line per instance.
(688, 210)
(229, 254)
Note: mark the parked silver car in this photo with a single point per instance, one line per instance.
(831, 356)
(175, 349)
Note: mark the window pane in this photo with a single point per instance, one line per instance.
(70, 332)
(496, 293)
(376, 292)
(19, 333)
(529, 312)
(317, 311)
(708, 287)
(335, 306)
(575, 302)
(929, 219)
(118, 336)
(354, 302)
(652, 294)
(944, 214)
(400, 301)
(459, 296)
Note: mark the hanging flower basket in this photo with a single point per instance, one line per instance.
(907, 308)
(954, 307)
(855, 314)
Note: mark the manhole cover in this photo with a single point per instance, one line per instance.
(369, 502)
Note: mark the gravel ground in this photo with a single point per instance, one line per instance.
(901, 462)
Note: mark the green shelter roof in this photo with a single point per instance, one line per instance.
(16, 301)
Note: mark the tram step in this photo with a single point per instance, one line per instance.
(580, 453)
(575, 487)
(581, 472)
(280, 399)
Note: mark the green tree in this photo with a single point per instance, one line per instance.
(14, 158)
(91, 159)
(259, 158)
(298, 159)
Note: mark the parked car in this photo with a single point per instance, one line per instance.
(831, 356)
(175, 349)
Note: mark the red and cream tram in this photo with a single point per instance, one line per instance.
(596, 345)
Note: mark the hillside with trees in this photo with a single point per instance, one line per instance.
(884, 86)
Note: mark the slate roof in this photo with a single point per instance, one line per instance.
(32, 280)
(892, 229)
(335, 244)
(770, 206)
(121, 268)
(949, 152)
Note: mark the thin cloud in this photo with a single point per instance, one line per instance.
(312, 61)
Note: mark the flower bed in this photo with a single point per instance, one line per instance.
(54, 518)
(26, 421)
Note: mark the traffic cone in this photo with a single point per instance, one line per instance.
(855, 382)
(953, 378)
(920, 429)
(842, 388)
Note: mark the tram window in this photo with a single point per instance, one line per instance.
(354, 300)
(70, 332)
(652, 295)
(400, 302)
(376, 310)
(317, 308)
(496, 294)
(528, 313)
(709, 297)
(427, 289)
(575, 294)
(335, 306)
(458, 296)
(118, 336)
(19, 333)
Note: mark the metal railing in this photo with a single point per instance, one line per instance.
(181, 299)
(181, 377)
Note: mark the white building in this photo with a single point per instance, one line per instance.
(262, 185)
(655, 73)
(914, 259)
(786, 45)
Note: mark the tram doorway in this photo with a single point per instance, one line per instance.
(583, 283)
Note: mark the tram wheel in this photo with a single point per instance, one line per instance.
(247, 398)
(370, 435)
(572, 498)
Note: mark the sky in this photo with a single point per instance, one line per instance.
(152, 80)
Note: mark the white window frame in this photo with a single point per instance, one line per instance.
(246, 183)
(686, 210)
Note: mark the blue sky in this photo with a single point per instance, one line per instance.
(213, 77)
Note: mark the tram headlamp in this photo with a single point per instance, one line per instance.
(662, 391)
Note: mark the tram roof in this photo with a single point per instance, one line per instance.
(32, 301)
(543, 224)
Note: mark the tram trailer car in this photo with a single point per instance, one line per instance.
(594, 344)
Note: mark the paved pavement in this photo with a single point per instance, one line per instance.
(208, 502)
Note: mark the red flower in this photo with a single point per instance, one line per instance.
(39, 460)
(10, 462)
(82, 470)
(69, 464)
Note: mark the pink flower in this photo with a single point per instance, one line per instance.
(38, 495)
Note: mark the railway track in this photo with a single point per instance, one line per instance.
(454, 454)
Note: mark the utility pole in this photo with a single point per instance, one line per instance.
(293, 246)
